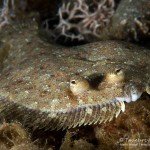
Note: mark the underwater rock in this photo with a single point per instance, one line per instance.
(131, 21)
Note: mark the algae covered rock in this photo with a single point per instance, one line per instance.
(131, 20)
(13, 136)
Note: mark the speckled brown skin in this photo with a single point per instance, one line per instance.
(35, 83)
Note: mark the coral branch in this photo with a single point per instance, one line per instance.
(9, 9)
(7, 12)
(80, 18)
(4, 18)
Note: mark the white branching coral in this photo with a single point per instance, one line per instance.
(5, 12)
(9, 9)
(80, 18)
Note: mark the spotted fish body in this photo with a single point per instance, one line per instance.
(35, 90)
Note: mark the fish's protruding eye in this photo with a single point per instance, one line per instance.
(118, 70)
(73, 82)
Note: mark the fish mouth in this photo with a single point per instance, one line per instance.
(132, 93)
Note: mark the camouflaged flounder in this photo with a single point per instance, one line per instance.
(35, 88)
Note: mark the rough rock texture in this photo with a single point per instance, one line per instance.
(132, 21)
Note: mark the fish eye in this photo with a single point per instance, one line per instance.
(118, 70)
(73, 82)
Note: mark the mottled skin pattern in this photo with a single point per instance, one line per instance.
(37, 89)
